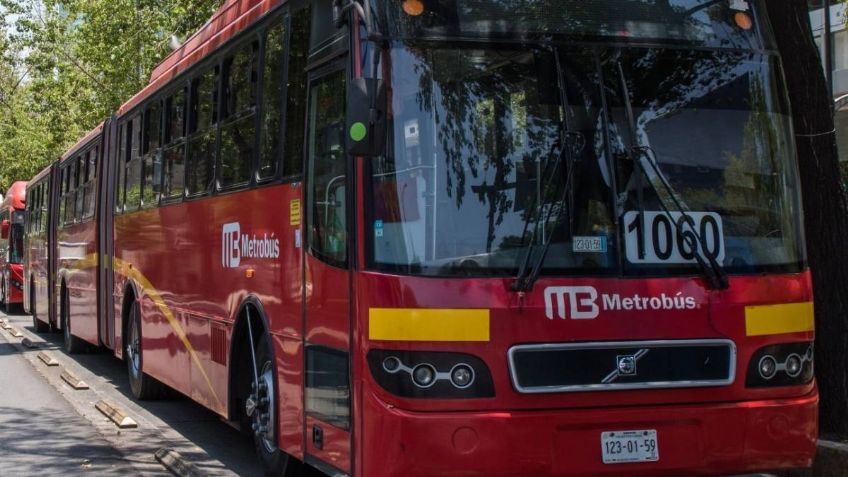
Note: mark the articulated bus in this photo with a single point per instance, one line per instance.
(453, 237)
(12, 219)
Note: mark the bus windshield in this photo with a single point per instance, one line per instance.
(16, 243)
(493, 149)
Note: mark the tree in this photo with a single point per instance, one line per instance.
(825, 206)
(66, 65)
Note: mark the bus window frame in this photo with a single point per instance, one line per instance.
(279, 15)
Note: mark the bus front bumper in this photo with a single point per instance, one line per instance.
(702, 439)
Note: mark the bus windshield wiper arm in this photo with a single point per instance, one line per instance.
(531, 266)
(713, 271)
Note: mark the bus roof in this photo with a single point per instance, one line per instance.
(82, 142)
(44, 172)
(233, 17)
(15, 196)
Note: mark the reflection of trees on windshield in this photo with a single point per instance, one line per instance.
(482, 103)
(717, 126)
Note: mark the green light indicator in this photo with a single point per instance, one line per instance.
(358, 131)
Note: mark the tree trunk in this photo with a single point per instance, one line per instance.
(825, 206)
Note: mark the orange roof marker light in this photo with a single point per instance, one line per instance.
(743, 21)
(413, 8)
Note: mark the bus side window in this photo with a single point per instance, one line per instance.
(119, 170)
(91, 180)
(63, 195)
(133, 164)
(273, 95)
(45, 188)
(152, 161)
(301, 25)
(327, 174)
(79, 202)
(203, 132)
(174, 174)
(238, 115)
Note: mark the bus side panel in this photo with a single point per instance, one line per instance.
(77, 256)
(194, 264)
(148, 249)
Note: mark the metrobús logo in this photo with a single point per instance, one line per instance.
(584, 303)
(235, 246)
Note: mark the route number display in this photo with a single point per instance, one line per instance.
(663, 243)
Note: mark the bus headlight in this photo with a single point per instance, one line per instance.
(789, 364)
(768, 367)
(431, 374)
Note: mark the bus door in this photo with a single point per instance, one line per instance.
(327, 387)
(105, 208)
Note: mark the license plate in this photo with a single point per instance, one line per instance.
(619, 447)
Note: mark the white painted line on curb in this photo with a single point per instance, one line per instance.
(116, 415)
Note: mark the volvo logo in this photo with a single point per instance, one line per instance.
(625, 365)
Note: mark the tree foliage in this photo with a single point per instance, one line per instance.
(66, 65)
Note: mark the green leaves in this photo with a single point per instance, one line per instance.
(66, 65)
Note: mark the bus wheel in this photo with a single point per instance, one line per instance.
(37, 325)
(143, 386)
(261, 410)
(3, 295)
(72, 343)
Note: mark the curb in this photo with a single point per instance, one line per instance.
(831, 461)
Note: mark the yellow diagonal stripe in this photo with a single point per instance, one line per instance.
(126, 269)
(430, 324)
(779, 319)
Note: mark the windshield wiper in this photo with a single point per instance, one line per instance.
(531, 266)
(713, 271)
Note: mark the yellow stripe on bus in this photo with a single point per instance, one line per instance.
(418, 324)
(779, 319)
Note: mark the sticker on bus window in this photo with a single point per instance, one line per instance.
(739, 5)
(659, 241)
(590, 244)
(294, 212)
(378, 228)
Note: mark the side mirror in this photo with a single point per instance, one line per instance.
(366, 117)
(5, 229)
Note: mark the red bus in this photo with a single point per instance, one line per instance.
(454, 237)
(12, 218)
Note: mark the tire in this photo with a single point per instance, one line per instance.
(3, 297)
(73, 344)
(275, 462)
(37, 325)
(143, 387)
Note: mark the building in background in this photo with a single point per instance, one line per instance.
(838, 52)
